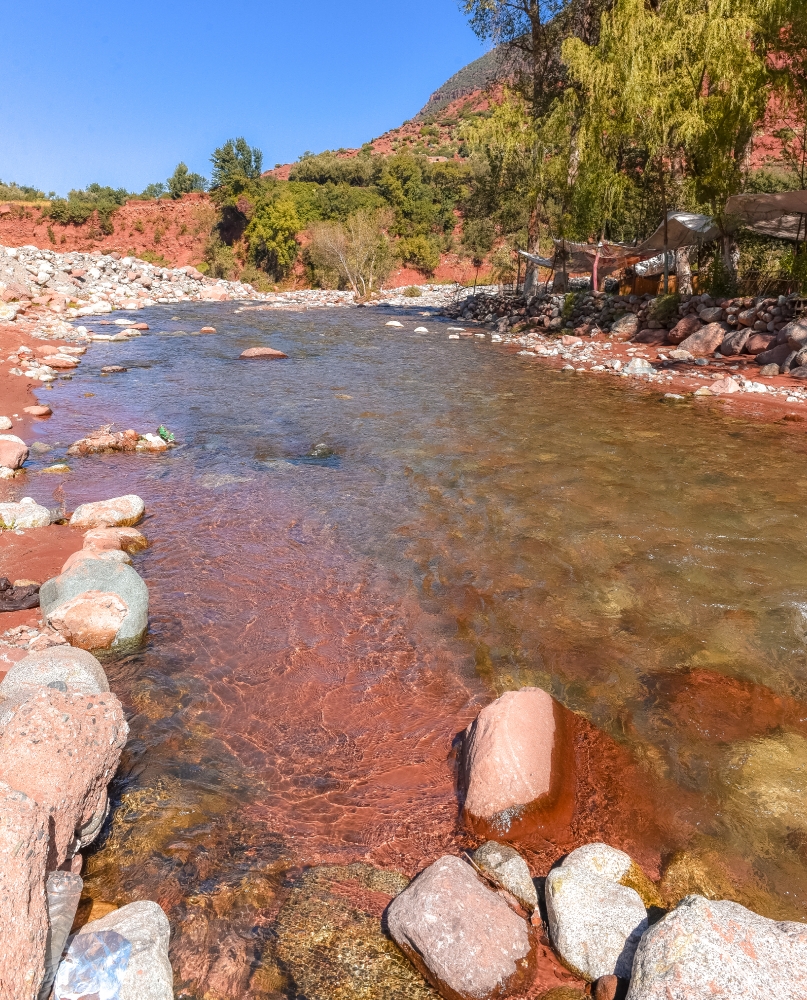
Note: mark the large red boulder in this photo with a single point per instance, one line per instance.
(706, 340)
(461, 935)
(684, 328)
(518, 767)
(23, 909)
(61, 750)
(759, 342)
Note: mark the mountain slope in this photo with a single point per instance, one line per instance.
(493, 67)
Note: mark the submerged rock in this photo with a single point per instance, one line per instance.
(331, 941)
(517, 767)
(123, 955)
(461, 935)
(23, 910)
(129, 539)
(721, 950)
(115, 513)
(595, 920)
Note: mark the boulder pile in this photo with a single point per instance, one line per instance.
(61, 736)
(89, 284)
(473, 926)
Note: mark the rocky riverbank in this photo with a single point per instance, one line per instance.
(742, 350)
(61, 736)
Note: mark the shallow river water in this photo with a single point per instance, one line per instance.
(353, 550)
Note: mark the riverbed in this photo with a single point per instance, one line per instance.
(355, 549)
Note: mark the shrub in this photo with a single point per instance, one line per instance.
(503, 265)
(94, 201)
(420, 251)
(151, 257)
(221, 259)
(665, 307)
(358, 250)
(19, 192)
(412, 292)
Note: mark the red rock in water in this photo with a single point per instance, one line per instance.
(139, 326)
(119, 512)
(23, 907)
(92, 619)
(105, 440)
(13, 451)
(263, 352)
(704, 341)
(462, 937)
(128, 539)
(518, 768)
(38, 411)
(61, 750)
(684, 328)
(208, 329)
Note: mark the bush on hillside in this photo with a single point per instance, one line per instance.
(94, 201)
(182, 181)
(358, 250)
(421, 252)
(271, 236)
(235, 163)
(19, 192)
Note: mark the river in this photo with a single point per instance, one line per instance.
(353, 550)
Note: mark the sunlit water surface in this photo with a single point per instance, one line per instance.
(322, 627)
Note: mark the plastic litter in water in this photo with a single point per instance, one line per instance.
(93, 966)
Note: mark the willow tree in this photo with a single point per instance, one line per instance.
(685, 82)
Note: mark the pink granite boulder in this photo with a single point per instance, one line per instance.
(518, 767)
(13, 451)
(61, 750)
(684, 328)
(23, 907)
(462, 936)
(704, 341)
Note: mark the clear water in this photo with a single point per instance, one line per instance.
(323, 627)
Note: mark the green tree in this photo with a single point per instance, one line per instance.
(358, 250)
(182, 181)
(271, 236)
(153, 191)
(236, 162)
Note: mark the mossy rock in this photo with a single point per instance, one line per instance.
(331, 941)
(648, 891)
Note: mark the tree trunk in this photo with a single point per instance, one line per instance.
(683, 272)
(533, 246)
(728, 248)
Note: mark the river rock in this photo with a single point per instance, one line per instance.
(759, 342)
(61, 667)
(113, 555)
(724, 386)
(774, 356)
(25, 514)
(23, 909)
(13, 451)
(133, 942)
(800, 372)
(516, 768)
(747, 317)
(5, 424)
(650, 337)
(509, 870)
(625, 327)
(115, 513)
(61, 749)
(720, 950)
(128, 539)
(331, 940)
(734, 342)
(463, 937)
(704, 341)
(711, 314)
(214, 293)
(795, 333)
(595, 921)
(93, 598)
(37, 411)
(262, 352)
(105, 440)
(684, 328)
(638, 366)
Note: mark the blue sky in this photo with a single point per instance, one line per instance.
(121, 92)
